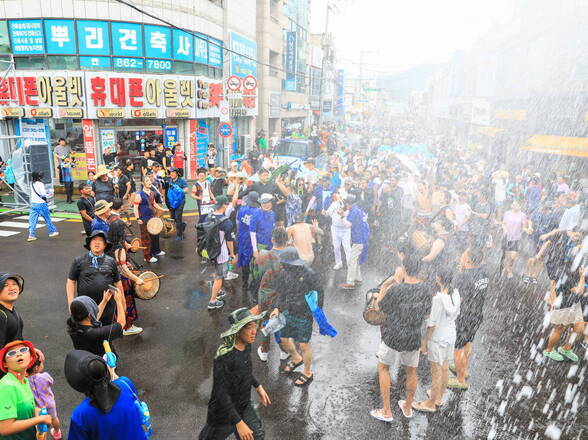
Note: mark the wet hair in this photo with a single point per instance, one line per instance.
(37, 176)
(78, 313)
(117, 204)
(202, 170)
(445, 276)
(263, 171)
(83, 185)
(97, 369)
(412, 264)
(280, 237)
(444, 222)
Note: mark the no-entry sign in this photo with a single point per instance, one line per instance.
(249, 83)
(234, 83)
(225, 129)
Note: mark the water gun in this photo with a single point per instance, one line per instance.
(42, 427)
(280, 170)
(109, 356)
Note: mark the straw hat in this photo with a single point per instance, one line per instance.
(102, 170)
(101, 207)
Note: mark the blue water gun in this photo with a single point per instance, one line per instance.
(42, 427)
(109, 356)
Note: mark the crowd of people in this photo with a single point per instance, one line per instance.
(430, 220)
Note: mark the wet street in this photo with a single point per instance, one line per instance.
(515, 393)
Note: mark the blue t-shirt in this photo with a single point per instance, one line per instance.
(122, 422)
(262, 223)
(66, 174)
(180, 182)
(359, 226)
(244, 223)
(100, 225)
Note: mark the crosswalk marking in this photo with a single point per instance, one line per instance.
(41, 219)
(8, 233)
(17, 225)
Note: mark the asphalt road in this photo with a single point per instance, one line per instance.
(514, 394)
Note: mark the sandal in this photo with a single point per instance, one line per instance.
(376, 414)
(291, 366)
(401, 405)
(443, 402)
(304, 380)
(419, 407)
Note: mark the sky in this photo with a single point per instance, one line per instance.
(399, 34)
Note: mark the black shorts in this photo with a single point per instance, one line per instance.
(555, 269)
(511, 246)
(466, 333)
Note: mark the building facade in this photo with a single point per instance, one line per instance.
(98, 72)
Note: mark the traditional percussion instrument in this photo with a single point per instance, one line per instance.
(169, 227)
(148, 290)
(370, 314)
(135, 245)
(155, 225)
(421, 240)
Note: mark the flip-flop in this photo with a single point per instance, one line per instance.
(455, 385)
(401, 405)
(306, 380)
(291, 365)
(419, 407)
(443, 402)
(376, 414)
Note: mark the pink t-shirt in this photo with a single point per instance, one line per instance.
(514, 222)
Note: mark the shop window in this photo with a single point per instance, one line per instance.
(181, 67)
(33, 63)
(4, 39)
(63, 62)
(216, 73)
(201, 69)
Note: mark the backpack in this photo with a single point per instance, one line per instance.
(175, 196)
(208, 235)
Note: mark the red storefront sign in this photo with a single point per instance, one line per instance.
(192, 156)
(88, 129)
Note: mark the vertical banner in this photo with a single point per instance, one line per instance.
(107, 138)
(170, 137)
(340, 107)
(89, 150)
(290, 82)
(202, 139)
(192, 149)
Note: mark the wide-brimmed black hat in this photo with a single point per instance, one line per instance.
(11, 276)
(98, 234)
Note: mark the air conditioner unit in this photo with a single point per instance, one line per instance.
(245, 143)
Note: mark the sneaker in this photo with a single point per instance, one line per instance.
(262, 354)
(284, 355)
(526, 280)
(56, 435)
(533, 280)
(83, 233)
(31, 238)
(54, 234)
(215, 304)
(569, 354)
(221, 294)
(153, 260)
(132, 330)
(337, 267)
(231, 276)
(553, 355)
(160, 254)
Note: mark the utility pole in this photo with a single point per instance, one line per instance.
(325, 46)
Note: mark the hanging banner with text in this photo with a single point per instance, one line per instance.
(192, 156)
(88, 130)
(290, 82)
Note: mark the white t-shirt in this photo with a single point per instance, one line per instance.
(462, 211)
(40, 188)
(444, 311)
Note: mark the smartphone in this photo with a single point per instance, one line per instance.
(112, 288)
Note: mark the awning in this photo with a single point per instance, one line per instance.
(564, 145)
(490, 131)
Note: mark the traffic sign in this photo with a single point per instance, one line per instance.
(224, 111)
(234, 83)
(225, 129)
(249, 83)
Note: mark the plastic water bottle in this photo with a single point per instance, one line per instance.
(274, 325)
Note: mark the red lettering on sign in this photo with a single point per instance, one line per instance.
(117, 92)
(88, 132)
(135, 91)
(98, 95)
(216, 94)
(31, 90)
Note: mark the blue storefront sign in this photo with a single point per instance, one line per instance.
(123, 63)
(93, 37)
(127, 39)
(60, 37)
(183, 46)
(215, 53)
(170, 137)
(26, 37)
(158, 42)
(201, 49)
(159, 65)
(202, 141)
(95, 62)
(246, 65)
(290, 81)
